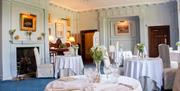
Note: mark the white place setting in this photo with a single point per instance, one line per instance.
(81, 83)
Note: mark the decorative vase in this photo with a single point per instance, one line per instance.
(11, 37)
(140, 54)
(29, 37)
(178, 48)
(75, 52)
(98, 63)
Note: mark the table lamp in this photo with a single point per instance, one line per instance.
(71, 39)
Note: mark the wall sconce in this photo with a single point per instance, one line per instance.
(51, 38)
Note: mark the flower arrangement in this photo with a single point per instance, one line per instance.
(97, 53)
(140, 47)
(12, 31)
(178, 43)
(43, 35)
(75, 46)
(62, 46)
(29, 33)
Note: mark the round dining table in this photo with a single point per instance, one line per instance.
(145, 67)
(74, 63)
(81, 83)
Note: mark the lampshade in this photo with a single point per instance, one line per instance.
(51, 38)
(71, 39)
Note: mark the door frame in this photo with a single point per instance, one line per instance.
(149, 36)
(82, 33)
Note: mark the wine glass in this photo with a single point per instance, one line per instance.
(89, 72)
(107, 71)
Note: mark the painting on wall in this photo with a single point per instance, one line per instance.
(59, 29)
(122, 27)
(28, 22)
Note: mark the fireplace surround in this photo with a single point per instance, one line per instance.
(26, 63)
(23, 59)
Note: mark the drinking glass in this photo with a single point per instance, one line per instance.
(107, 71)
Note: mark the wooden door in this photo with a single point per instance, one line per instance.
(157, 35)
(87, 43)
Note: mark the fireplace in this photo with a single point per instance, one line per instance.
(26, 63)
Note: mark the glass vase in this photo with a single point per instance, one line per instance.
(141, 54)
(75, 52)
(178, 48)
(98, 63)
(98, 72)
(12, 37)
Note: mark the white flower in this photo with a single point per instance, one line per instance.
(97, 53)
(12, 31)
(178, 43)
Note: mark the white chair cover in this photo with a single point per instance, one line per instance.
(127, 54)
(169, 73)
(164, 55)
(176, 86)
(37, 56)
(106, 58)
(43, 70)
(96, 39)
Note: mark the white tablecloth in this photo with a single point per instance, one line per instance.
(175, 56)
(150, 67)
(80, 83)
(75, 63)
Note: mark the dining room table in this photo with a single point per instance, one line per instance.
(74, 63)
(152, 68)
(82, 83)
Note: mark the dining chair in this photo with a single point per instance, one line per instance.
(176, 85)
(43, 70)
(126, 55)
(169, 71)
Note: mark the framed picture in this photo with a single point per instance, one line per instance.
(59, 29)
(28, 22)
(122, 27)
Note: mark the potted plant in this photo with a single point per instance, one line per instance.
(140, 48)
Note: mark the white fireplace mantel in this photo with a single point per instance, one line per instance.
(23, 43)
(26, 41)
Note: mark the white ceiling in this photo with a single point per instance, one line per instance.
(81, 5)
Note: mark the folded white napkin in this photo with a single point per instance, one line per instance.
(112, 87)
(64, 85)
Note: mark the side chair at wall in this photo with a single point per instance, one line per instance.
(43, 70)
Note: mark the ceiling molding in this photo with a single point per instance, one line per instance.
(110, 6)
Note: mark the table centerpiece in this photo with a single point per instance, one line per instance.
(140, 48)
(97, 53)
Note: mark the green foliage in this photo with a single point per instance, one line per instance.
(12, 31)
(97, 53)
(62, 46)
(140, 47)
(177, 43)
